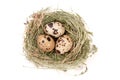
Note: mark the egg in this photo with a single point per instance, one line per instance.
(63, 44)
(55, 29)
(45, 43)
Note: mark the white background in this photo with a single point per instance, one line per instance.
(102, 18)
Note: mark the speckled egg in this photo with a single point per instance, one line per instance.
(45, 43)
(63, 44)
(55, 29)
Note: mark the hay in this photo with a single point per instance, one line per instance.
(74, 27)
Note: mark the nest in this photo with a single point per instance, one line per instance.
(75, 28)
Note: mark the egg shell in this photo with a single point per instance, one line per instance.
(63, 44)
(45, 43)
(55, 29)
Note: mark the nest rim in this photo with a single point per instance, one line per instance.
(78, 54)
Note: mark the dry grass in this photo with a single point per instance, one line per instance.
(74, 27)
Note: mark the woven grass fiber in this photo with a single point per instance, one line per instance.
(74, 27)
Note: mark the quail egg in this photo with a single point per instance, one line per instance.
(55, 29)
(45, 43)
(63, 44)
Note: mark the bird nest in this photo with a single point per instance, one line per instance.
(74, 27)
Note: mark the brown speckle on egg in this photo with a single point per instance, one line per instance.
(48, 38)
(56, 45)
(55, 32)
(58, 40)
(50, 25)
(68, 39)
(47, 48)
(62, 25)
(57, 51)
(43, 41)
